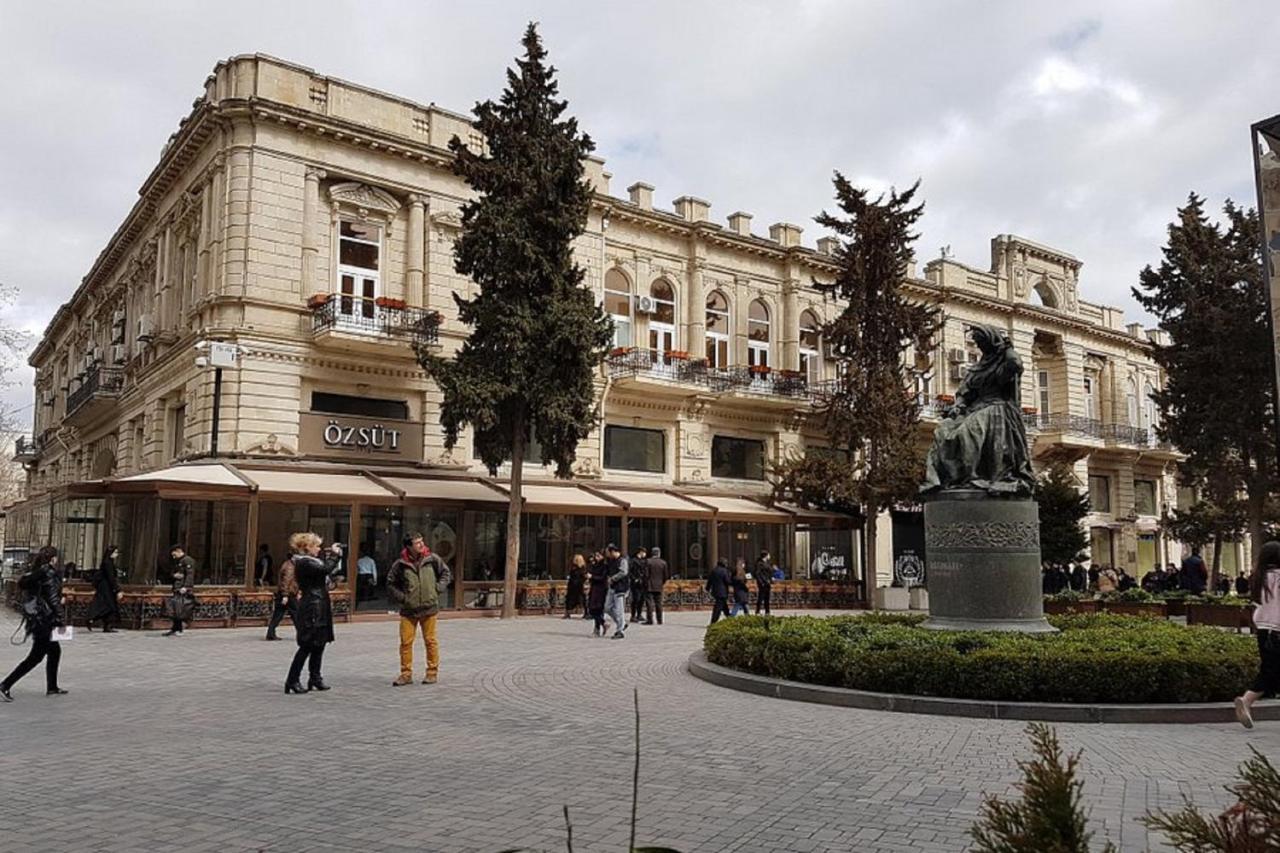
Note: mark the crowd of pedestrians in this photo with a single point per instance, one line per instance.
(1191, 577)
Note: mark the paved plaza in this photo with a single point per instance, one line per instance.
(188, 743)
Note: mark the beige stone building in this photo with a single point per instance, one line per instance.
(310, 222)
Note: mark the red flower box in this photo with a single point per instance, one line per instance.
(1029, 410)
(318, 299)
(946, 398)
(678, 354)
(759, 369)
(389, 302)
(620, 351)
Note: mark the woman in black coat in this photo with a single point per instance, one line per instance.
(599, 575)
(575, 589)
(42, 611)
(105, 607)
(313, 616)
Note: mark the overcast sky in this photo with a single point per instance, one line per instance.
(1082, 125)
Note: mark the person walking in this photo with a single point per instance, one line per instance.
(105, 607)
(638, 573)
(764, 583)
(1265, 593)
(575, 587)
(42, 613)
(1195, 577)
(719, 584)
(598, 574)
(262, 566)
(658, 573)
(313, 612)
(182, 603)
(615, 602)
(285, 599)
(1079, 578)
(741, 592)
(415, 582)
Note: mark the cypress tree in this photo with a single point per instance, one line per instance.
(868, 414)
(537, 338)
(1062, 508)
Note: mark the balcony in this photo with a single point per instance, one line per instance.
(630, 363)
(1062, 423)
(676, 371)
(97, 392)
(363, 324)
(26, 449)
(1125, 435)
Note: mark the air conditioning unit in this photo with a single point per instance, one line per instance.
(145, 334)
(957, 355)
(958, 371)
(645, 304)
(117, 353)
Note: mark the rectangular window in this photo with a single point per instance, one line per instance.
(1099, 493)
(359, 245)
(344, 404)
(1144, 497)
(1043, 382)
(738, 458)
(633, 449)
(717, 350)
(1089, 407)
(178, 436)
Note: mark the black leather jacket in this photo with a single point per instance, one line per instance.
(43, 584)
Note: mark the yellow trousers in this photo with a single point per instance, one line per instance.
(408, 631)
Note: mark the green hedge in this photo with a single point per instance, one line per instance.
(1095, 658)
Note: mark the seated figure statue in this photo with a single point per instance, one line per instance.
(981, 442)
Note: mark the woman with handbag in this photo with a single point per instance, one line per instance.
(105, 606)
(42, 613)
(313, 613)
(1265, 593)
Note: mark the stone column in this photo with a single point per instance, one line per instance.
(696, 307)
(310, 224)
(218, 214)
(414, 292)
(790, 337)
(202, 244)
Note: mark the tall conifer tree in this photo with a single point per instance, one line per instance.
(1218, 403)
(537, 334)
(1062, 509)
(869, 415)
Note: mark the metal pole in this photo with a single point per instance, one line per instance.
(217, 410)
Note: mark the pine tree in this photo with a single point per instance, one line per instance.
(1252, 825)
(869, 416)
(1062, 509)
(1218, 402)
(537, 334)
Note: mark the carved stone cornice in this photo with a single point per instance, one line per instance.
(364, 199)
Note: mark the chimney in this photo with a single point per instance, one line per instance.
(692, 209)
(740, 223)
(593, 170)
(1136, 330)
(827, 245)
(785, 234)
(641, 195)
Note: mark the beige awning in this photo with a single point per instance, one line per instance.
(566, 499)
(740, 509)
(816, 516)
(319, 487)
(658, 504)
(446, 489)
(217, 476)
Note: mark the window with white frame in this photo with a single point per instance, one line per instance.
(810, 341)
(662, 320)
(1131, 403)
(757, 334)
(1152, 410)
(717, 330)
(1042, 383)
(617, 304)
(1090, 402)
(359, 263)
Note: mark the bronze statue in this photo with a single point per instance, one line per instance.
(981, 442)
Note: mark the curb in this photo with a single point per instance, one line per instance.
(1050, 712)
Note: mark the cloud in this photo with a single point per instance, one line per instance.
(1081, 127)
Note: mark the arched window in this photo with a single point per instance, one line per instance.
(717, 330)
(617, 304)
(662, 320)
(810, 352)
(1131, 403)
(758, 334)
(1045, 294)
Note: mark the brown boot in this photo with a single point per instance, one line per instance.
(402, 681)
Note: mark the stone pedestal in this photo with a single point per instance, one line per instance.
(919, 598)
(890, 598)
(983, 563)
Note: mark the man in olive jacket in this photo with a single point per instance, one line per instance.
(415, 583)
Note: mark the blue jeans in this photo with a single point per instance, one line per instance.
(740, 607)
(615, 604)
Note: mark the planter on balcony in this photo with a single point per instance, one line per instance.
(758, 370)
(946, 399)
(318, 300)
(678, 355)
(1030, 410)
(618, 352)
(389, 302)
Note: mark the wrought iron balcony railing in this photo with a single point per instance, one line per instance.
(1126, 434)
(97, 381)
(26, 449)
(1070, 424)
(380, 317)
(756, 380)
(631, 362)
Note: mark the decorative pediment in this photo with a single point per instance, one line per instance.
(447, 219)
(364, 199)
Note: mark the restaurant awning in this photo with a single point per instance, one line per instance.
(640, 502)
(740, 509)
(817, 517)
(318, 487)
(452, 489)
(192, 477)
(567, 499)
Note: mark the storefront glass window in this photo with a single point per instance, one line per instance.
(213, 533)
(133, 531)
(78, 528)
(632, 449)
(738, 458)
(830, 557)
(746, 539)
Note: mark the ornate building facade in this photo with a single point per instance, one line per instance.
(309, 223)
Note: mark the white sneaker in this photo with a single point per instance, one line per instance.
(1242, 713)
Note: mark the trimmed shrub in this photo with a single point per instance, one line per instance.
(1095, 658)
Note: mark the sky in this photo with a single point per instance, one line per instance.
(1081, 125)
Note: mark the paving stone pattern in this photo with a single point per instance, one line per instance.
(189, 743)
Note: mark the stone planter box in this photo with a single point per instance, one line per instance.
(1146, 609)
(919, 598)
(1062, 608)
(1220, 615)
(891, 598)
(1176, 606)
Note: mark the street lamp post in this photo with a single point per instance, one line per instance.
(218, 355)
